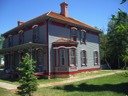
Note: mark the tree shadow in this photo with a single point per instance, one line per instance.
(118, 88)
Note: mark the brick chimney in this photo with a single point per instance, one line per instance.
(64, 9)
(20, 23)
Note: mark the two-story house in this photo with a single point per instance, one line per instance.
(60, 45)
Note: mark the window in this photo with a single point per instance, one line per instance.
(83, 58)
(10, 40)
(62, 56)
(74, 33)
(39, 66)
(35, 33)
(83, 36)
(95, 57)
(72, 57)
(21, 37)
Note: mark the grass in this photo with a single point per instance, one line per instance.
(4, 92)
(114, 85)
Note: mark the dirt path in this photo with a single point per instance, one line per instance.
(8, 86)
(71, 80)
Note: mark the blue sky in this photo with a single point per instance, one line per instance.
(92, 12)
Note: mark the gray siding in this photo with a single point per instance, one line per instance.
(91, 45)
(55, 33)
(90, 48)
(92, 38)
(42, 34)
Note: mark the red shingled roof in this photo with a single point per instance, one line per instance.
(68, 19)
(54, 16)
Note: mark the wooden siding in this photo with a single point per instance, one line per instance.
(57, 32)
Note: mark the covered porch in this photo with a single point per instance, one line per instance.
(13, 55)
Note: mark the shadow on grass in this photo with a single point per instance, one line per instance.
(118, 88)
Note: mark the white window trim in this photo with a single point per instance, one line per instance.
(34, 26)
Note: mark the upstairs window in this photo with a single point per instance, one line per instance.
(83, 36)
(10, 40)
(72, 57)
(62, 56)
(74, 33)
(21, 37)
(35, 33)
(83, 58)
(95, 57)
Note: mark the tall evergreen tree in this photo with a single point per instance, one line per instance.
(28, 81)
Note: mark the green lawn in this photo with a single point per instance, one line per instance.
(114, 85)
(4, 92)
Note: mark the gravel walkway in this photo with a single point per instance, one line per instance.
(71, 80)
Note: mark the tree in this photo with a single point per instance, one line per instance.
(117, 40)
(28, 81)
(103, 40)
(125, 59)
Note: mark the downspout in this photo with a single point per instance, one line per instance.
(99, 51)
(48, 66)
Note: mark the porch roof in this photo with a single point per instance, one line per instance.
(63, 40)
(21, 47)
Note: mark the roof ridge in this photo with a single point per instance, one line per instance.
(48, 13)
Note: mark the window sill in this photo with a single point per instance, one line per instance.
(83, 65)
(72, 65)
(96, 64)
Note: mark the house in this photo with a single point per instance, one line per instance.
(61, 46)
